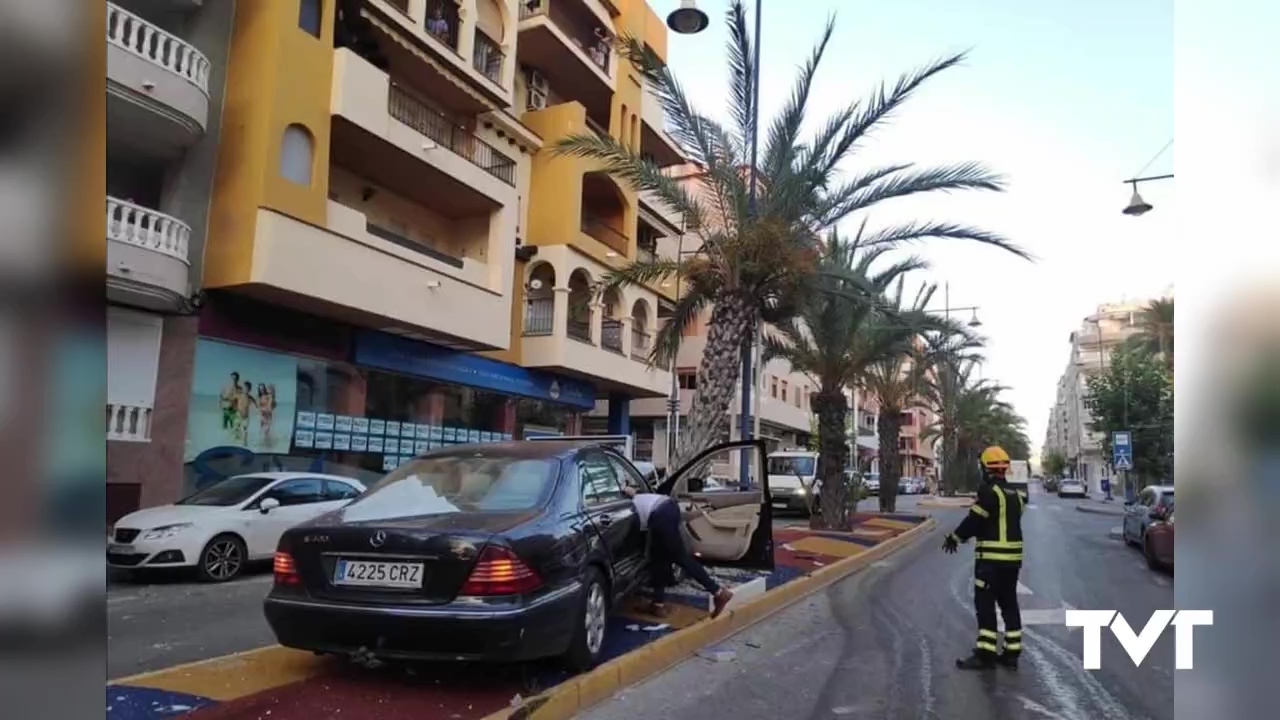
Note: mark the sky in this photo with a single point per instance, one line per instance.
(1066, 100)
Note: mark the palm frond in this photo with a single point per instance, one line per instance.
(741, 71)
(907, 181)
(914, 231)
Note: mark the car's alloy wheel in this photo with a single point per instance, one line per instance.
(222, 559)
(595, 617)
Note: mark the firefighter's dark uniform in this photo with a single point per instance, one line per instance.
(996, 521)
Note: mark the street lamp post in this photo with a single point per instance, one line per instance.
(689, 20)
(1138, 206)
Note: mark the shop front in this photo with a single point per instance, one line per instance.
(357, 403)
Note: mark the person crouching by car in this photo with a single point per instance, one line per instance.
(660, 516)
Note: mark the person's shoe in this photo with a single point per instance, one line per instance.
(976, 662)
(719, 602)
(1005, 660)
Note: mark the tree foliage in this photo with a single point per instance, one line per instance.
(1054, 463)
(744, 256)
(1136, 394)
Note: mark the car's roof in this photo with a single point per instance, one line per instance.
(279, 475)
(517, 449)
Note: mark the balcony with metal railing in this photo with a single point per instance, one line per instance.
(402, 105)
(611, 335)
(540, 317)
(487, 57)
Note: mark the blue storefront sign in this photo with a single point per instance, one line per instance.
(412, 357)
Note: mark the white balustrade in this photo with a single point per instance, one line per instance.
(147, 228)
(132, 33)
(128, 422)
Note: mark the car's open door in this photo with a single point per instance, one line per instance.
(728, 525)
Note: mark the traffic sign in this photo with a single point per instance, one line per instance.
(1122, 450)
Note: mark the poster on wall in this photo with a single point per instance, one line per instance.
(419, 447)
(324, 440)
(375, 444)
(450, 434)
(306, 420)
(342, 424)
(407, 430)
(324, 421)
(303, 439)
(359, 443)
(342, 442)
(360, 426)
(473, 436)
(240, 397)
(393, 428)
(377, 427)
(389, 462)
(437, 433)
(391, 446)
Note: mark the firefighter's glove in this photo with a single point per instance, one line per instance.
(951, 544)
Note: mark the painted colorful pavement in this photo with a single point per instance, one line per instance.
(276, 683)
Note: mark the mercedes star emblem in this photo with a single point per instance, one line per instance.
(377, 539)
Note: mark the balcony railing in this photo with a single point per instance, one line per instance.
(611, 335)
(406, 108)
(639, 343)
(540, 316)
(580, 328)
(487, 57)
(128, 422)
(597, 49)
(146, 228)
(599, 229)
(135, 35)
(597, 128)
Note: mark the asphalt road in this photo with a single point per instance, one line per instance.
(158, 622)
(882, 643)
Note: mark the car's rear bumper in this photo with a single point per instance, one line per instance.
(457, 631)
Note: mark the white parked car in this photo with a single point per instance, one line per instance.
(1070, 487)
(221, 528)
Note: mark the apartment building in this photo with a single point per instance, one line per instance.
(1091, 346)
(165, 76)
(346, 261)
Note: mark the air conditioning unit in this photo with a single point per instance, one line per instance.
(537, 90)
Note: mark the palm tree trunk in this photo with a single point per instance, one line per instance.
(731, 326)
(889, 425)
(832, 408)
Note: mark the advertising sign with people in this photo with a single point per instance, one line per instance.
(241, 397)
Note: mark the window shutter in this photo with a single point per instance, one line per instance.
(133, 357)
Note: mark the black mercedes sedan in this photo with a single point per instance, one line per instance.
(496, 552)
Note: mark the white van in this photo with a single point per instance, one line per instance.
(793, 475)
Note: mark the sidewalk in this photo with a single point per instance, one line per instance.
(1099, 507)
(276, 683)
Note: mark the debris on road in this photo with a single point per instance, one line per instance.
(718, 654)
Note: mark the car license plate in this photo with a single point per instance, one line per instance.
(378, 574)
(121, 549)
(781, 504)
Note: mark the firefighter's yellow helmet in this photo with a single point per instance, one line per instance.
(995, 458)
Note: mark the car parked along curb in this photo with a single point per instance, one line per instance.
(573, 696)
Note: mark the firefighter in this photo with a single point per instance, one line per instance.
(996, 521)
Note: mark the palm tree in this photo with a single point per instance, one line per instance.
(953, 359)
(1156, 336)
(978, 418)
(750, 263)
(840, 329)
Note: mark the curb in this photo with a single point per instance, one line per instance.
(579, 693)
(947, 503)
(1100, 511)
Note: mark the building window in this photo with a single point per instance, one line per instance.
(906, 419)
(309, 14)
(688, 381)
(296, 150)
(773, 387)
(133, 364)
(784, 391)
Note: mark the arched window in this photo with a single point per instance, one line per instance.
(622, 127)
(635, 132)
(309, 14)
(296, 153)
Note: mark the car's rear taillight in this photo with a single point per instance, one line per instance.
(286, 573)
(499, 571)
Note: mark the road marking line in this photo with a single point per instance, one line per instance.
(1024, 590)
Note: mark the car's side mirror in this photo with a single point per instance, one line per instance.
(267, 505)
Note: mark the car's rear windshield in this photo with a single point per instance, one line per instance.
(802, 466)
(226, 493)
(459, 483)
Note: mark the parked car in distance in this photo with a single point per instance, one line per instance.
(1070, 487)
(1158, 543)
(497, 552)
(871, 481)
(1051, 484)
(793, 477)
(225, 526)
(1138, 514)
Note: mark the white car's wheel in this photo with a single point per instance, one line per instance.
(223, 558)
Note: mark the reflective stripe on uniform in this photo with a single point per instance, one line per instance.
(985, 633)
(1013, 635)
(1022, 500)
(1004, 523)
(1013, 646)
(979, 582)
(989, 647)
(979, 510)
(1005, 556)
(997, 545)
